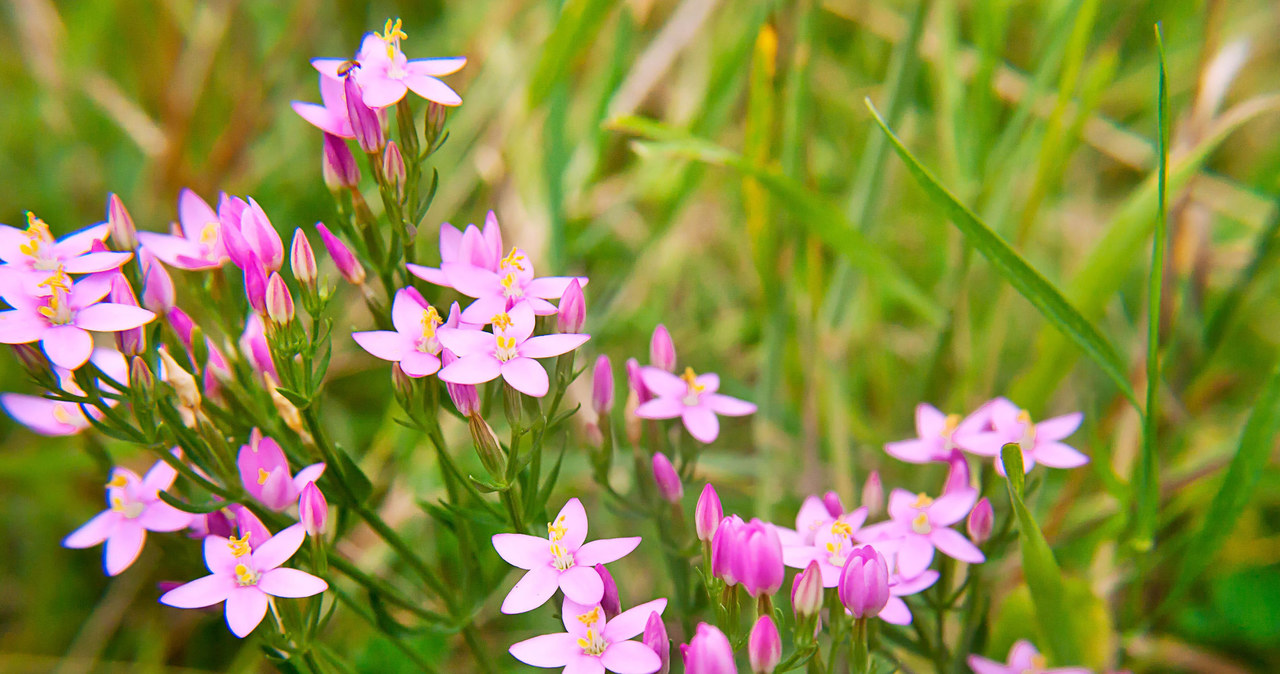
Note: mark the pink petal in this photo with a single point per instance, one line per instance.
(547, 650)
(582, 584)
(547, 346)
(383, 344)
(630, 657)
(663, 384)
(200, 592)
(915, 556)
(450, 241)
(323, 118)
(11, 241)
(418, 364)
(328, 67)
(895, 612)
(981, 665)
(291, 583)
(584, 664)
(309, 474)
(1023, 655)
(918, 584)
(953, 544)
(20, 327)
(174, 251)
(985, 443)
(799, 556)
(522, 551)
(476, 369)
(465, 343)
(95, 262)
(160, 516)
(540, 307)
(951, 508)
(67, 346)
(246, 606)
(430, 274)
(81, 240)
(631, 622)
(551, 287)
(727, 406)
(605, 550)
(1058, 455)
(574, 519)
(90, 289)
(160, 477)
(930, 421)
(382, 92)
(436, 67)
(915, 451)
(523, 322)
(431, 89)
(1058, 428)
(702, 423)
(218, 557)
(124, 546)
(525, 375)
(406, 312)
(94, 531)
(279, 548)
(108, 317)
(39, 414)
(482, 311)
(710, 382)
(660, 408)
(472, 281)
(533, 590)
(879, 532)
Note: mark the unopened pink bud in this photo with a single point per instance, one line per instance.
(393, 169)
(130, 342)
(302, 259)
(364, 120)
(182, 325)
(158, 293)
(279, 300)
(339, 165)
(806, 591)
(655, 637)
(708, 652)
(120, 224)
(958, 475)
(707, 516)
(572, 313)
(255, 285)
(873, 494)
(662, 351)
(313, 510)
(636, 382)
(602, 386)
(864, 583)
(609, 602)
(664, 474)
(343, 258)
(724, 547)
(833, 504)
(758, 559)
(464, 396)
(764, 646)
(981, 520)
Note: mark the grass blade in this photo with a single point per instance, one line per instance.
(579, 21)
(1022, 276)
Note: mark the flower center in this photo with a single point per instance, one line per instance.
(592, 644)
(511, 287)
(245, 576)
(38, 245)
(240, 546)
(1038, 663)
(209, 236)
(506, 348)
(430, 321)
(836, 549)
(556, 531)
(391, 35)
(130, 509)
(693, 391)
(920, 524)
(57, 307)
(922, 501)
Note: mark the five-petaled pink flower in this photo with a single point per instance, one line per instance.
(386, 74)
(472, 246)
(1040, 443)
(61, 321)
(330, 115)
(135, 508)
(1023, 659)
(937, 433)
(197, 243)
(591, 644)
(245, 575)
(415, 342)
(512, 285)
(265, 472)
(561, 560)
(832, 543)
(693, 398)
(920, 524)
(508, 351)
(33, 255)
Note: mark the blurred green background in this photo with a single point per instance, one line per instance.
(1039, 115)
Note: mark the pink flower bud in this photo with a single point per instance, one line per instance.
(724, 547)
(764, 646)
(707, 516)
(981, 520)
(609, 602)
(573, 309)
(182, 325)
(364, 120)
(636, 382)
(958, 475)
(435, 119)
(655, 637)
(343, 258)
(833, 504)
(339, 165)
(758, 559)
(393, 169)
(864, 583)
(708, 652)
(464, 396)
(255, 285)
(158, 293)
(873, 494)
(602, 386)
(313, 510)
(302, 260)
(254, 348)
(664, 474)
(279, 301)
(662, 351)
(120, 224)
(806, 591)
(130, 342)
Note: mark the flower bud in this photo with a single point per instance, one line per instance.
(724, 546)
(573, 309)
(764, 646)
(609, 602)
(758, 559)
(864, 583)
(602, 386)
(182, 325)
(981, 520)
(181, 380)
(708, 652)
(465, 397)
(487, 447)
(313, 510)
(364, 120)
(393, 170)
(435, 119)
(255, 285)
(302, 260)
(806, 591)
(140, 377)
(279, 300)
(217, 523)
(343, 258)
(873, 494)
(248, 524)
(158, 293)
(120, 224)
(636, 382)
(340, 169)
(662, 351)
(831, 501)
(32, 358)
(709, 513)
(655, 637)
(664, 474)
(958, 474)
(130, 342)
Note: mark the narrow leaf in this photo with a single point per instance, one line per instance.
(193, 508)
(577, 23)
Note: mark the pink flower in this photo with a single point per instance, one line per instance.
(938, 435)
(244, 575)
(265, 472)
(764, 646)
(561, 560)
(1040, 442)
(32, 254)
(198, 242)
(60, 418)
(591, 644)
(135, 508)
(386, 74)
(249, 235)
(814, 514)
(691, 397)
(920, 524)
(508, 352)
(254, 347)
(708, 652)
(830, 544)
(708, 513)
(482, 249)
(415, 342)
(754, 556)
(62, 321)
(331, 115)
(1023, 659)
(512, 285)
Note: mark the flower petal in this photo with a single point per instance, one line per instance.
(895, 612)
(951, 508)
(482, 311)
(418, 364)
(574, 519)
(279, 548)
(1058, 455)
(201, 592)
(431, 89)
(123, 547)
(291, 583)
(631, 622)
(436, 67)
(582, 584)
(584, 664)
(382, 92)
(661, 383)
(1058, 428)
(605, 550)
(551, 287)
(533, 590)
(630, 657)
(94, 531)
(525, 375)
(21, 327)
(701, 422)
(660, 408)
(915, 451)
(217, 555)
(67, 346)
(546, 346)
(547, 650)
(382, 344)
(522, 551)
(246, 606)
(44, 416)
(108, 317)
(430, 274)
(476, 369)
(95, 262)
(915, 556)
(162, 517)
(728, 406)
(472, 281)
(463, 342)
(924, 581)
(160, 477)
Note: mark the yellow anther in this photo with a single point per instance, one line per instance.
(922, 501)
(240, 546)
(117, 481)
(583, 643)
(515, 259)
(1024, 417)
(949, 427)
(61, 414)
(691, 378)
(116, 504)
(392, 35)
(590, 618)
(245, 575)
(430, 319)
(501, 322)
(557, 530)
(209, 233)
(920, 524)
(831, 547)
(262, 476)
(840, 528)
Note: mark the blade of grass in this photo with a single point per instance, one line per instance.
(1022, 276)
(578, 22)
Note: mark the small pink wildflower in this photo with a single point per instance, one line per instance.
(831, 541)
(509, 351)
(330, 115)
(919, 524)
(265, 472)
(937, 433)
(472, 246)
(32, 254)
(1040, 442)
(386, 74)
(591, 644)
(693, 398)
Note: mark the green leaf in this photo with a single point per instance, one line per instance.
(349, 472)
(299, 400)
(1022, 276)
(487, 486)
(1041, 569)
(193, 508)
(578, 22)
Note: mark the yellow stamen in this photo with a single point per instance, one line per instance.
(245, 575)
(501, 322)
(118, 481)
(922, 501)
(37, 234)
(58, 280)
(262, 476)
(952, 422)
(430, 319)
(392, 35)
(515, 259)
(920, 524)
(590, 618)
(840, 528)
(240, 546)
(557, 530)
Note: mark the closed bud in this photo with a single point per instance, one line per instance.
(181, 380)
(764, 646)
(302, 260)
(487, 447)
(664, 474)
(662, 351)
(435, 119)
(279, 300)
(636, 382)
(140, 376)
(158, 293)
(572, 313)
(655, 637)
(981, 520)
(120, 224)
(464, 396)
(133, 341)
(609, 602)
(340, 169)
(873, 494)
(757, 560)
(364, 120)
(831, 501)
(707, 516)
(343, 258)
(393, 170)
(864, 583)
(182, 325)
(313, 510)
(32, 358)
(806, 591)
(724, 547)
(255, 285)
(708, 652)
(958, 474)
(602, 386)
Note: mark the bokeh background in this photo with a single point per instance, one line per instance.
(1040, 115)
